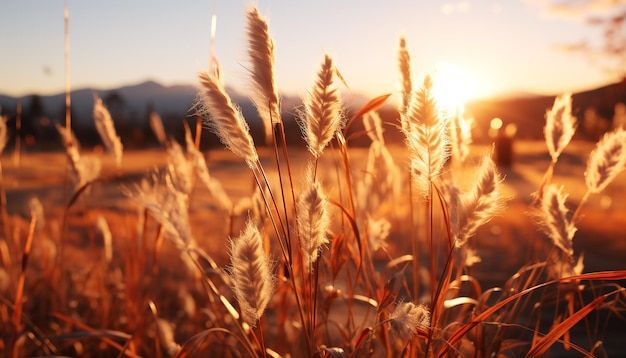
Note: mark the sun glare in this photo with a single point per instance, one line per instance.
(452, 86)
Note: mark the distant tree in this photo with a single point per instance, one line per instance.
(116, 104)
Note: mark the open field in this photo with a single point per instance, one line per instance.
(505, 244)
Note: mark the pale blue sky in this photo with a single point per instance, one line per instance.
(503, 45)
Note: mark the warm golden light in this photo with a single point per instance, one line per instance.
(452, 86)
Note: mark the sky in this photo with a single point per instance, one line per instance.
(499, 46)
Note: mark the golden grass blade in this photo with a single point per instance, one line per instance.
(562, 328)
(594, 276)
(372, 105)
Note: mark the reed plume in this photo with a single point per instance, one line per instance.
(226, 121)
(103, 229)
(261, 53)
(4, 132)
(377, 233)
(552, 217)
(313, 220)
(106, 129)
(404, 63)
(202, 171)
(426, 137)
(322, 115)
(460, 135)
(476, 207)
(156, 124)
(251, 274)
(560, 125)
(407, 318)
(180, 168)
(82, 171)
(606, 161)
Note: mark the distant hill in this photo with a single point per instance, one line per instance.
(594, 110)
(130, 106)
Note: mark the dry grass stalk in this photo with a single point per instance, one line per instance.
(407, 318)
(251, 274)
(156, 124)
(426, 137)
(477, 206)
(261, 52)
(322, 115)
(560, 125)
(225, 119)
(180, 168)
(106, 129)
(202, 171)
(313, 221)
(404, 63)
(606, 161)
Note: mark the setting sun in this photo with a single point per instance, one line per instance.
(453, 86)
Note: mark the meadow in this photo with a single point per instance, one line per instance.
(423, 248)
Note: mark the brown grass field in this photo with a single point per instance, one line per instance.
(86, 294)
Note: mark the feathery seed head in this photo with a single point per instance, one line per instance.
(560, 125)
(261, 52)
(426, 137)
(322, 110)
(106, 129)
(225, 120)
(477, 206)
(377, 233)
(180, 168)
(313, 221)
(606, 161)
(407, 318)
(404, 63)
(4, 136)
(202, 171)
(251, 274)
(156, 124)
(552, 217)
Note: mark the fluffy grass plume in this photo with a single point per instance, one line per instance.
(322, 115)
(261, 53)
(460, 135)
(404, 63)
(156, 124)
(606, 161)
(82, 171)
(225, 120)
(106, 129)
(313, 220)
(407, 318)
(426, 137)
(181, 169)
(552, 216)
(4, 135)
(202, 171)
(102, 227)
(479, 204)
(251, 274)
(560, 125)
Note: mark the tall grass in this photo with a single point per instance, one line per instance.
(331, 267)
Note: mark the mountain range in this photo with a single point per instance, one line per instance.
(130, 107)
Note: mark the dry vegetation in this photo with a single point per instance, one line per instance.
(275, 251)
